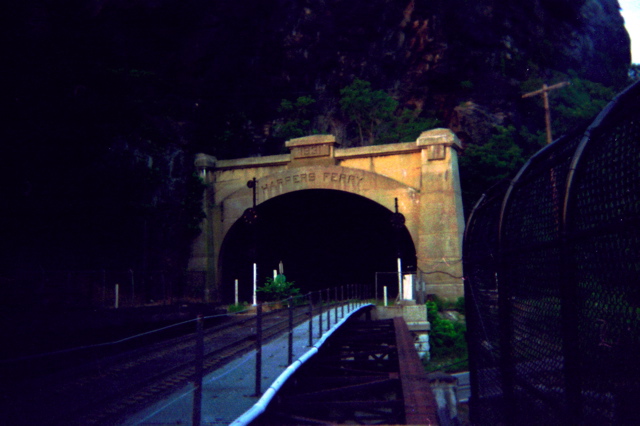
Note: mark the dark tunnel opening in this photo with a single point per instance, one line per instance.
(324, 238)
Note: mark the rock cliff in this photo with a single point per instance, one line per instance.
(108, 100)
(429, 55)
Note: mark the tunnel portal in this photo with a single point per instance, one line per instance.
(324, 238)
(325, 212)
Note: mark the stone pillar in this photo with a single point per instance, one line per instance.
(203, 257)
(441, 228)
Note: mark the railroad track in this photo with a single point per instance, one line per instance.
(106, 390)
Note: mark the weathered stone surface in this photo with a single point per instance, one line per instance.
(422, 175)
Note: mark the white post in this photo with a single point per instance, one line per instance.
(281, 267)
(407, 284)
(117, 302)
(384, 291)
(255, 284)
(236, 299)
(400, 289)
(275, 274)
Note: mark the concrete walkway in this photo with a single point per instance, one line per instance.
(229, 391)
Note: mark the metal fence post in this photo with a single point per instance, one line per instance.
(290, 357)
(328, 309)
(310, 320)
(197, 380)
(258, 390)
(335, 316)
(320, 314)
(348, 299)
(351, 297)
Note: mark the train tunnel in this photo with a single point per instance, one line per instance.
(324, 238)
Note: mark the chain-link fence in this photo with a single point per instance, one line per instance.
(552, 265)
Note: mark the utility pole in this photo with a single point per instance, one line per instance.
(545, 96)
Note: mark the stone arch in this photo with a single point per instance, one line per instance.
(422, 175)
(375, 187)
(339, 237)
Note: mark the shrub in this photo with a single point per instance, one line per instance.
(460, 307)
(237, 308)
(447, 339)
(277, 288)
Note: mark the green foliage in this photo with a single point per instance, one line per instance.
(432, 312)
(438, 301)
(500, 156)
(446, 338)
(460, 306)
(374, 114)
(578, 103)
(378, 118)
(277, 288)
(406, 126)
(367, 108)
(237, 308)
(298, 118)
(571, 106)
(482, 166)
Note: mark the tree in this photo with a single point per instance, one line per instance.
(578, 103)
(298, 117)
(405, 126)
(572, 105)
(482, 166)
(367, 108)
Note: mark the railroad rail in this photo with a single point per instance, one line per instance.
(105, 389)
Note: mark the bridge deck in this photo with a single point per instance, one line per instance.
(229, 391)
(368, 372)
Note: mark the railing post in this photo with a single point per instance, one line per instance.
(347, 298)
(197, 379)
(258, 389)
(310, 320)
(290, 357)
(350, 297)
(342, 298)
(328, 309)
(335, 317)
(320, 313)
